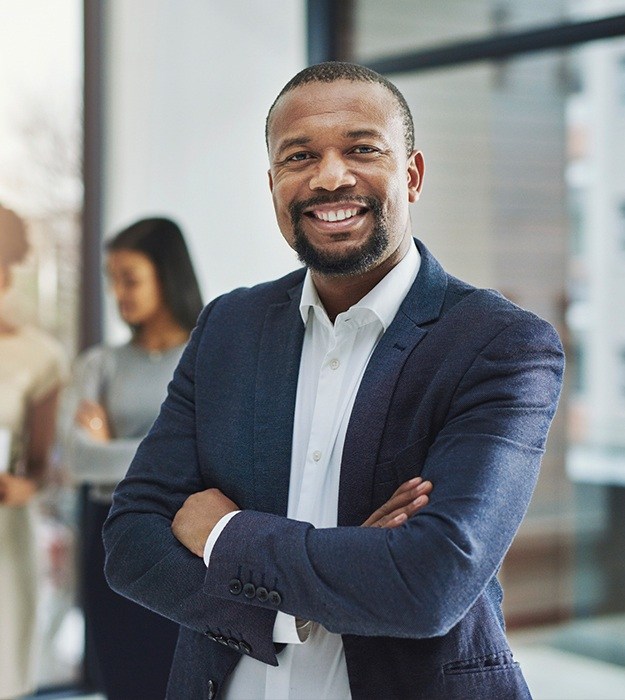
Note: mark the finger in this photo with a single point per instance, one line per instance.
(406, 497)
(397, 517)
(402, 497)
(408, 485)
(82, 419)
(98, 410)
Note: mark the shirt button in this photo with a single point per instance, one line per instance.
(316, 455)
(335, 364)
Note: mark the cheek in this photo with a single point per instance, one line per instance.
(280, 198)
(151, 297)
(144, 297)
(281, 207)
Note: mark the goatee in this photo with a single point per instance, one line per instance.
(357, 261)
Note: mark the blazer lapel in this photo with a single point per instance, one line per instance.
(421, 306)
(274, 403)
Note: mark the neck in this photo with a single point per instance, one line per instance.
(161, 333)
(337, 294)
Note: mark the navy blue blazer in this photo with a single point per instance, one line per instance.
(461, 389)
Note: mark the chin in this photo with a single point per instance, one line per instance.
(130, 319)
(353, 260)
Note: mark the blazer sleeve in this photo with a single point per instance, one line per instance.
(144, 561)
(420, 579)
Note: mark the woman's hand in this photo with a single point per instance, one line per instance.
(16, 490)
(410, 497)
(92, 417)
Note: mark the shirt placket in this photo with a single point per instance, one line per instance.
(324, 425)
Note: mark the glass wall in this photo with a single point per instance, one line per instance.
(525, 192)
(40, 179)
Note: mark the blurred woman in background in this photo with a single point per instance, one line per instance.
(113, 400)
(32, 367)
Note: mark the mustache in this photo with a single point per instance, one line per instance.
(296, 209)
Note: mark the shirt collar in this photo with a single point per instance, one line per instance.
(383, 300)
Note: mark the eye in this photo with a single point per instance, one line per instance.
(365, 150)
(298, 157)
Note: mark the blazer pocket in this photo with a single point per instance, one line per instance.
(490, 677)
(499, 661)
(406, 464)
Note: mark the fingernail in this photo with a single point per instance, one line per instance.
(415, 480)
(419, 501)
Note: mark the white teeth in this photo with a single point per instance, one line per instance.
(338, 215)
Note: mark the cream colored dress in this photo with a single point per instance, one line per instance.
(32, 364)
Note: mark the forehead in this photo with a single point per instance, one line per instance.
(338, 107)
(128, 259)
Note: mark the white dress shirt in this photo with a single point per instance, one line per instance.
(334, 358)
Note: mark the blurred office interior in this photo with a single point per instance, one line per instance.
(114, 110)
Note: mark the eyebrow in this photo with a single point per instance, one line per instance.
(290, 143)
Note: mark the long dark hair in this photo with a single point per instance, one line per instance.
(161, 241)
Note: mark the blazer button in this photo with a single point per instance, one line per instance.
(212, 690)
(262, 594)
(249, 590)
(235, 586)
(233, 644)
(221, 640)
(245, 648)
(211, 636)
(275, 598)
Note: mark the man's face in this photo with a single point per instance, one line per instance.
(339, 175)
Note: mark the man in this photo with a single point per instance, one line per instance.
(307, 407)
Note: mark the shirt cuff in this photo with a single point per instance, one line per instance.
(216, 531)
(290, 630)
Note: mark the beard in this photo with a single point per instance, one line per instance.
(340, 264)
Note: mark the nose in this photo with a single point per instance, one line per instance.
(118, 290)
(332, 173)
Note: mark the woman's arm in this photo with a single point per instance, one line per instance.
(17, 490)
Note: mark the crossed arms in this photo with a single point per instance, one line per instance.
(414, 579)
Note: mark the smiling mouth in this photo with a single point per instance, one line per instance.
(338, 214)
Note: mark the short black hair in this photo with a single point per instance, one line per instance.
(330, 72)
(13, 239)
(161, 240)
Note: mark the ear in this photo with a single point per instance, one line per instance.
(270, 180)
(415, 173)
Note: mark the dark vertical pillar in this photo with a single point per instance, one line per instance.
(614, 551)
(329, 30)
(90, 314)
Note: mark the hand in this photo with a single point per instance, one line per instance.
(410, 497)
(16, 490)
(199, 514)
(93, 418)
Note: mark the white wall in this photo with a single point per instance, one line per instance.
(187, 87)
